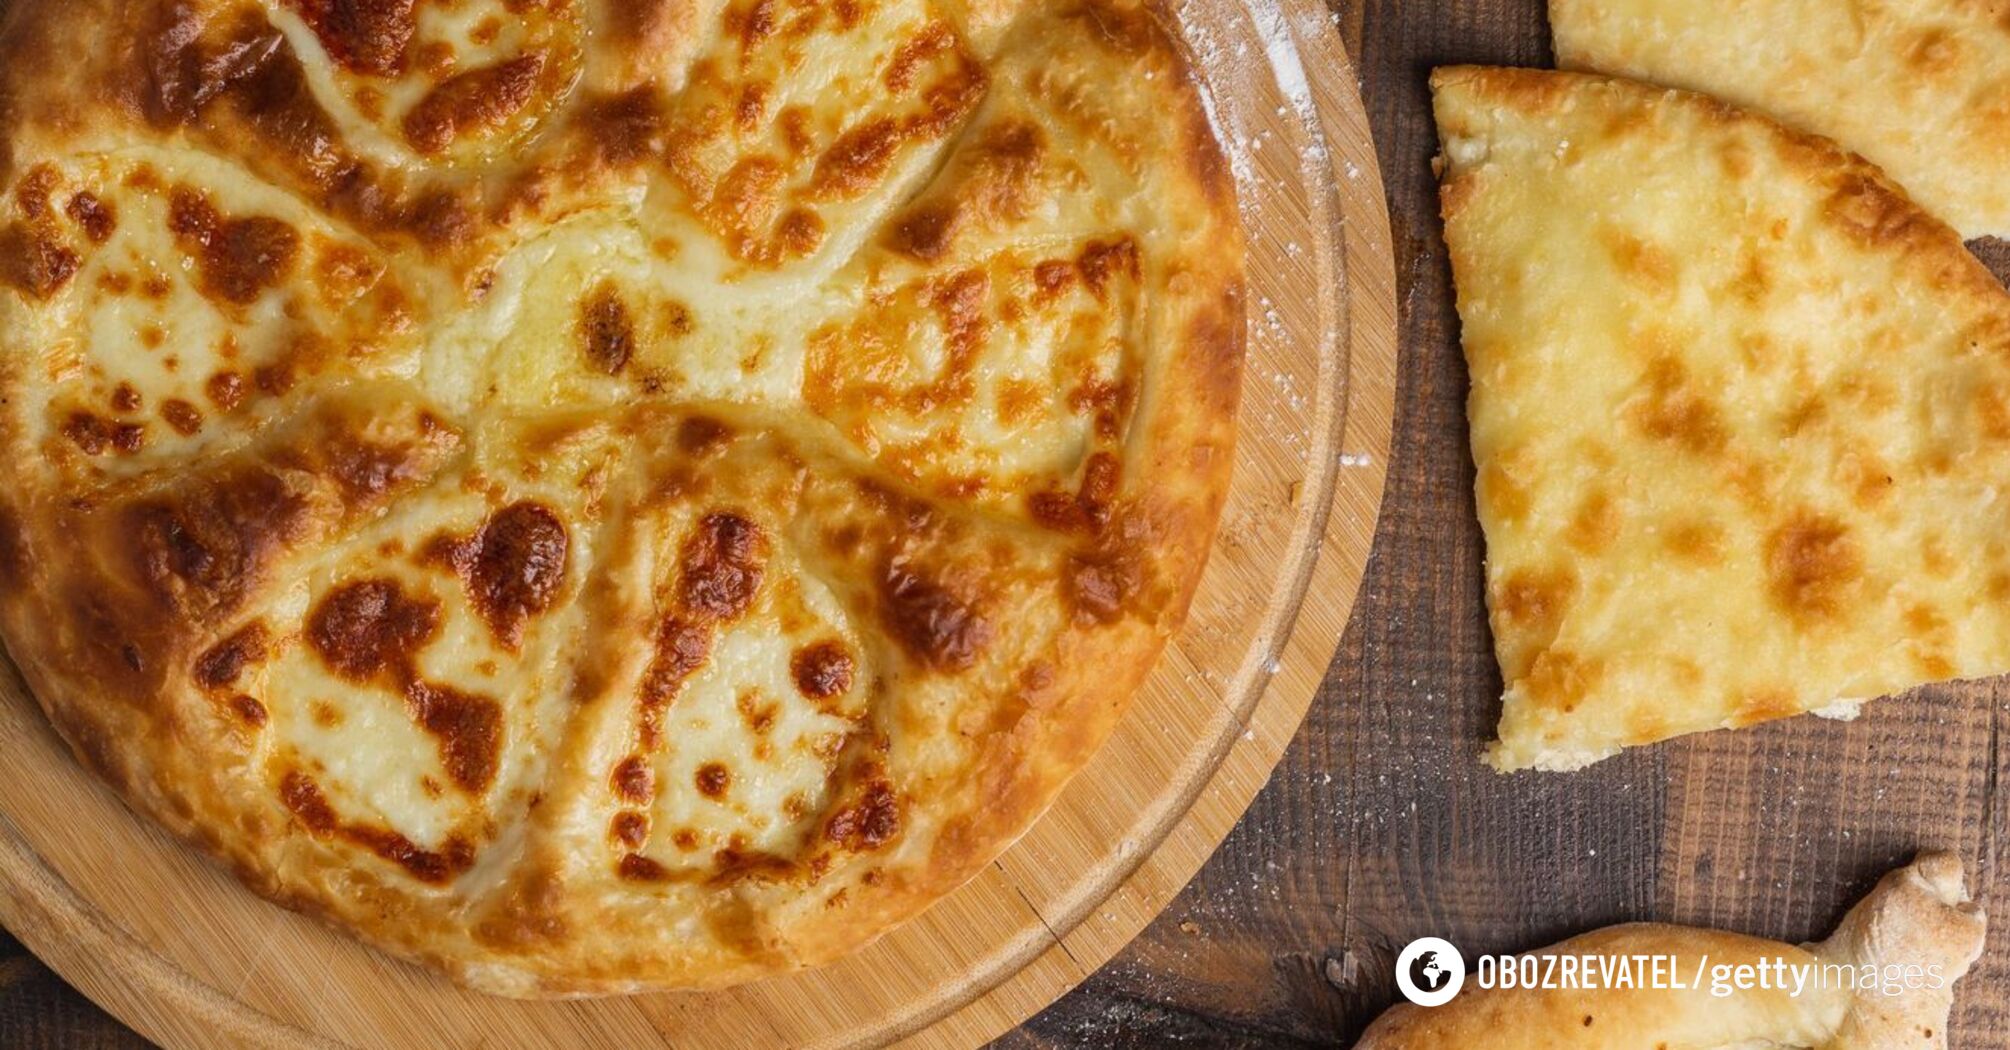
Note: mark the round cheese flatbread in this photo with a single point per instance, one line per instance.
(598, 495)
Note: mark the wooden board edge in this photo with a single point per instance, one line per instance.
(116, 970)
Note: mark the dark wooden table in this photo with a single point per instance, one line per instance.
(1381, 825)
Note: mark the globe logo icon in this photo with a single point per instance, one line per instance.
(1429, 971)
(1435, 974)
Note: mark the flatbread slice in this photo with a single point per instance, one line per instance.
(1921, 87)
(1740, 412)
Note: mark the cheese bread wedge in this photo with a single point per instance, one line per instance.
(1921, 87)
(1740, 412)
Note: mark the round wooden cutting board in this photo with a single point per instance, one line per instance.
(174, 947)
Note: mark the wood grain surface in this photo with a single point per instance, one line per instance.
(1381, 824)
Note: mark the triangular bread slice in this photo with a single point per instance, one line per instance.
(1922, 88)
(1740, 412)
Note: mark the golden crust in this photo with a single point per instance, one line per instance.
(1918, 916)
(1921, 88)
(435, 476)
(1702, 484)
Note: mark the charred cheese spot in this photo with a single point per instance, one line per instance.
(94, 216)
(721, 566)
(629, 829)
(91, 433)
(234, 80)
(698, 435)
(368, 36)
(248, 709)
(936, 624)
(991, 184)
(1699, 542)
(1647, 265)
(856, 161)
(221, 664)
(625, 129)
(752, 23)
(605, 331)
(468, 727)
(681, 648)
(713, 780)
(870, 822)
(733, 864)
(367, 467)
(185, 418)
(634, 780)
(32, 193)
(440, 219)
(309, 806)
(274, 380)
(1529, 607)
(477, 101)
(272, 102)
(199, 550)
(1594, 525)
(1101, 263)
(367, 628)
(1110, 402)
(1764, 705)
(758, 717)
(1673, 409)
(1089, 507)
(1813, 566)
(305, 799)
(637, 868)
(513, 567)
(238, 259)
(1562, 681)
(33, 261)
(1536, 600)
(823, 670)
(1052, 278)
(371, 631)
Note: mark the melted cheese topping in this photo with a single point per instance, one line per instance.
(1737, 407)
(1921, 87)
(201, 293)
(405, 78)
